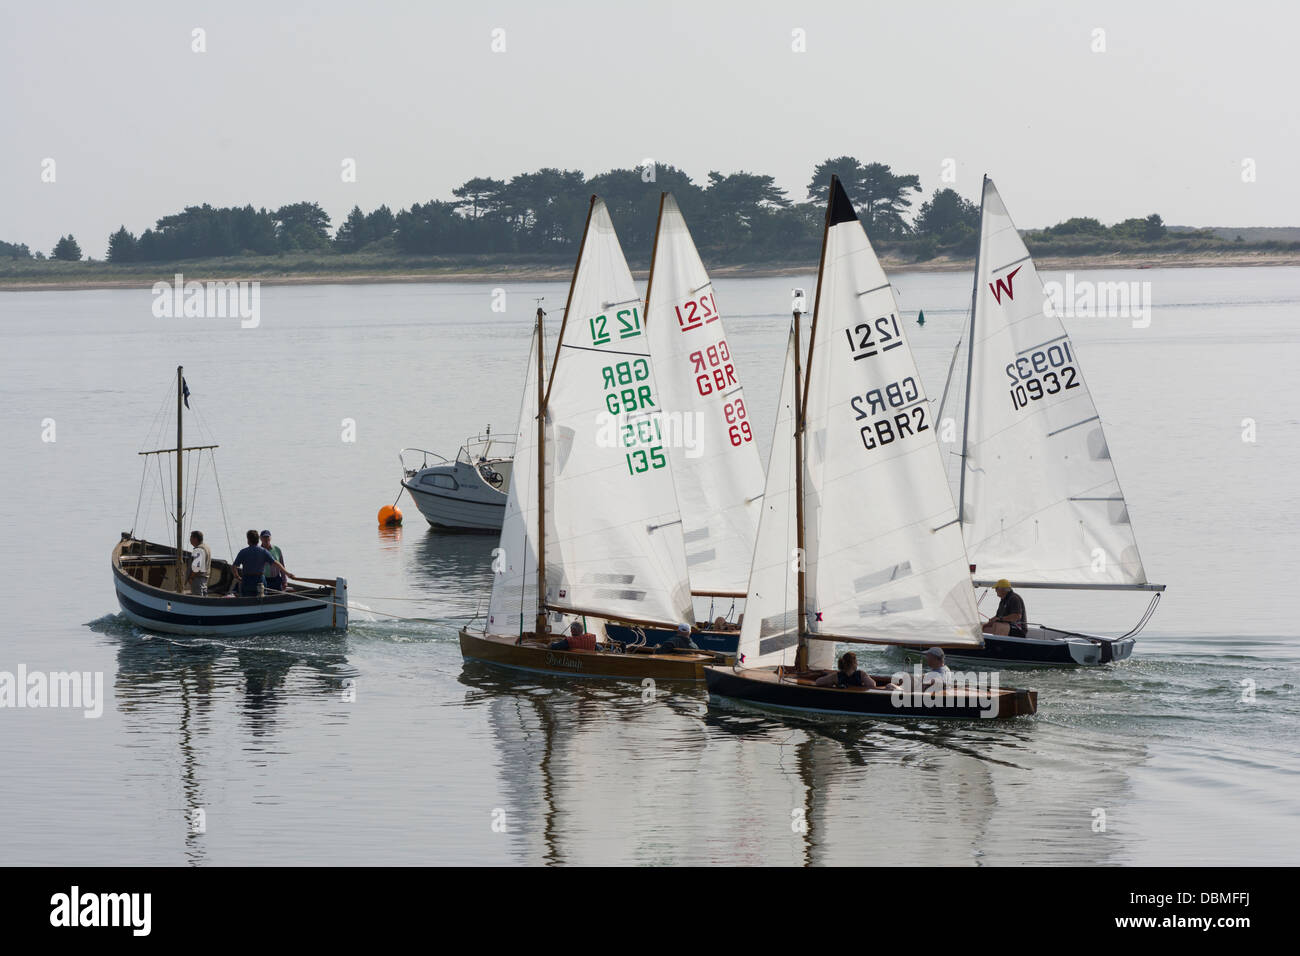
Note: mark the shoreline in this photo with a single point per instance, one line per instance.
(558, 273)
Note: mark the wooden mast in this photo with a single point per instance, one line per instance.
(180, 487)
(801, 651)
(800, 403)
(544, 396)
(541, 485)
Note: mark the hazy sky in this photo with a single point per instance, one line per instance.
(140, 126)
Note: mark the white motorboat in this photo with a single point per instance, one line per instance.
(468, 494)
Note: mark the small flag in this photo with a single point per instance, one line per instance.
(920, 318)
(185, 391)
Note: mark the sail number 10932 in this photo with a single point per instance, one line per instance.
(1041, 373)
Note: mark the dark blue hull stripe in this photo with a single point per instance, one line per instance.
(210, 620)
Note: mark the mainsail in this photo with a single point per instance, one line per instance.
(715, 463)
(513, 603)
(1040, 501)
(613, 531)
(884, 553)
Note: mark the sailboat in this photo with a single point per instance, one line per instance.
(150, 578)
(711, 452)
(1039, 501)
(591, 523)
(858, 540)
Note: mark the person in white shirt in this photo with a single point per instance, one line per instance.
(200, 565)
(936, 671)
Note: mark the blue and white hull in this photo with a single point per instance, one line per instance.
(142, 583)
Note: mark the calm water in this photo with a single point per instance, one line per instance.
(261, 735)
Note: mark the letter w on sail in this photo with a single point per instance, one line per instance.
(1004, 285)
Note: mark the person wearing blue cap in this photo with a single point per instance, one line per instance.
(275, 580)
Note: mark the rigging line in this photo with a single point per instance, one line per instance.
(144, 473)
(221, 500)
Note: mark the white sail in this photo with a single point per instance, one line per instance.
(885, 557)
(512, 609)
(613, 532)
(1042, 502)
(715, 463)
(769, 633)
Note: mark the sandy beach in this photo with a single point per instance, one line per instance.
(198, 271)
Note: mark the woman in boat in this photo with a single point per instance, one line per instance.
(848, 675)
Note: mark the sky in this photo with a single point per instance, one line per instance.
(1188, 109)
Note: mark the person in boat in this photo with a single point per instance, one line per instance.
(681, 641)
(578, 640)
(250, 567)
(274, 582)
(1010, 618)
(200, 565)
(936, 670)
(848, 675)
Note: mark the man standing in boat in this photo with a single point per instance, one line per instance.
(274, 582)
(1010, 619)
(250, 567)
(200, 565)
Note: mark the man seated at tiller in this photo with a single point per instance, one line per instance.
(1010, 619)
(848, 675)
(578, 640)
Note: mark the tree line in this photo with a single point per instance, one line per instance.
(736, 217)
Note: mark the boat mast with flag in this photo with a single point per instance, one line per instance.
(592, 528)
(150, 578)
(858, 541)
(1038, 497)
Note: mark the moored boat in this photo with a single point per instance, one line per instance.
(467, 494)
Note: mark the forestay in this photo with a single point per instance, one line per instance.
(613, 532)
(1042, 504)
(715, 464)
(885, 557)
(513, 604)
(769, 633)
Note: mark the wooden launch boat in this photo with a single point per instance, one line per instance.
(858, 541)
(1038, 497)
(149, 578)
(592, 526)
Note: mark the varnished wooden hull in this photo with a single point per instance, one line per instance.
(761, 686)
(536, 656)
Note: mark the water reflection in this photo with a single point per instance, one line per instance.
(164, 681)
(455, 570)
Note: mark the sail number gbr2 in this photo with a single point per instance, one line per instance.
(1043, 372)
(896, 411)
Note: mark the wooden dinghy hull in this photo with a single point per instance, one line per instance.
(532, 655)
(763, 687)
(166, 611)
(1043, 647)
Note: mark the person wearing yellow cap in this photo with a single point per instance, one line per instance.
(1010, 619)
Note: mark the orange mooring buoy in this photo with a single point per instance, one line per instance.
(390, 515)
